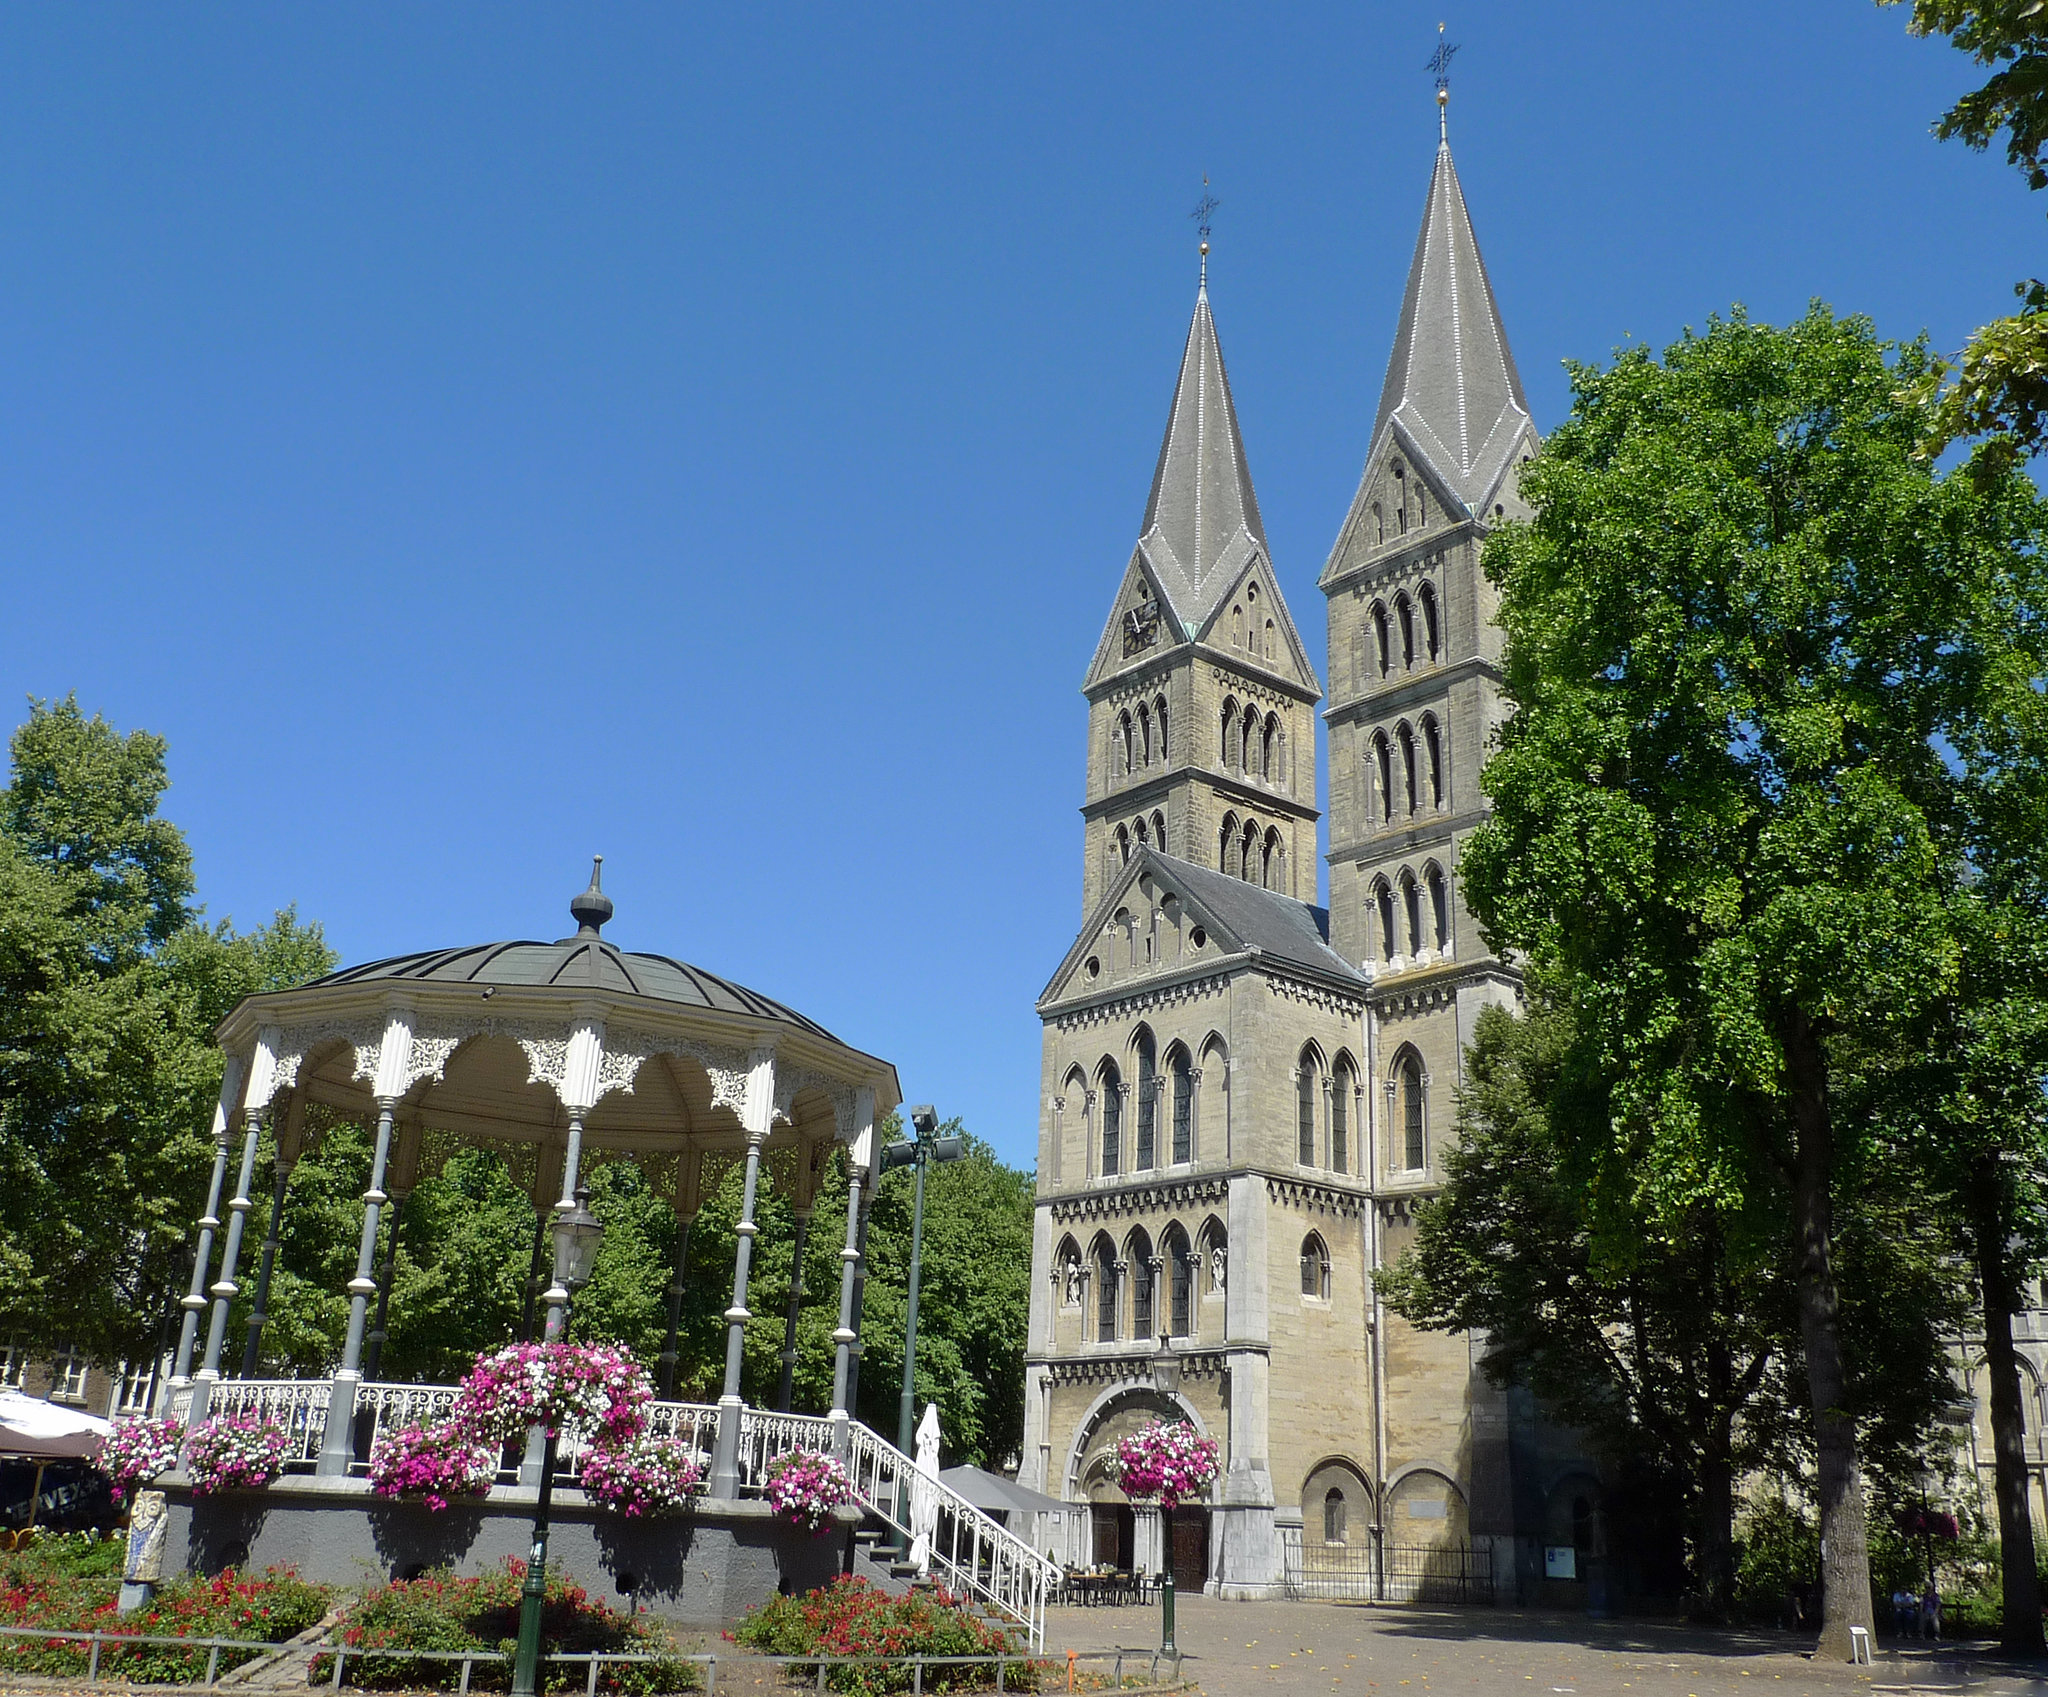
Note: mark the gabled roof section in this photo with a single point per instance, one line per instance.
(1452, 389)
(1240, 918)
(1202, 521)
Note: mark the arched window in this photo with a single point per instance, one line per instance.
(1315, 1268)
(1379, 635)
(1383, 898)
(1383, 764)
(1183, 1107)
(1307, 1082)
(1230, 730)
(1251, 742)
(1143, 831)
(1275, 862)
(1250, 868)
(1148, 1101)
(1272, 640)
(1413, 1153)
(1405, 614)
(1421, 505)
(1401, 498)
(1159, 832)
(1144, 734)
(1236, 627)
(1226, 844)
(1159, 719)
(1105, 1291)
(1123, 846)
(1411, 900)
(1110, 1083)
(1269, 755)
(1341, 1087)
(1180, 1282)
(1123, 745)
(1334, 1530)
(1138, 1256)
(1379, 525)
(1433, 759)
(1427, 596)
(1407, 741)
(1439, 906)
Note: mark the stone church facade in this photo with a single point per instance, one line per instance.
(1244, 1093)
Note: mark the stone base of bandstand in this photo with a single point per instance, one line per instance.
(705, 1567)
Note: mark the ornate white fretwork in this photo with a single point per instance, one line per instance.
(364, 1034)
(791, 1079)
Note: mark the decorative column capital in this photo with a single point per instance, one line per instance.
(757, 1117)
(394, 1056)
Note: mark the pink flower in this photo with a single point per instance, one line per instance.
(593, 1391)
(643, 1476)
(1170, 1462)
(434, 1463)
(235, 1452)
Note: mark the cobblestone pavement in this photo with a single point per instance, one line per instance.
(1236, 1649)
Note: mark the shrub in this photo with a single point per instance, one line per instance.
(644, 1477)
(433, 1463)
(851, 1617)
(265, 1609)
(235, 1452)
(806, 1488)
(439, 1612)
(136, 1451)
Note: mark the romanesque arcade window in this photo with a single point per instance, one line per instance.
(1183, 1107)
(1415, 1156)
(1105, 1291)
(1306, 1083)
(1333, 1518)
(1340, 1118)
(1148, 1102)
(1138, 1255)
(1315, 1268)
(1111, 1086)
(1180, 1263)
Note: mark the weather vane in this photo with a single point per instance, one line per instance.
(1204, 210)
(1440, 67)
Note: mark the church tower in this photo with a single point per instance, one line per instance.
(1201, 736)
(1415, 672)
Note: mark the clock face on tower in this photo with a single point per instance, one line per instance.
(1141, 627)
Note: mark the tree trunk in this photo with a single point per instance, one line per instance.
(1845, 1550)
(2021, 1599)
(1717, 1528)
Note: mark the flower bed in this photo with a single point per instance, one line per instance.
(1169, 1463)
(591, 1391)
(645, 1476)
(72, 1584)
(235, 1452)
(851, 1617)
(433, 1463)
(136, 1451)
(442, 1613)
(806, 1488)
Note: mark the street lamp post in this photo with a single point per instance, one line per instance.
(919, 1152)
(577, 1235)
(1166, 1379)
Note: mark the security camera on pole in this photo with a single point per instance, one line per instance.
(927, 1146)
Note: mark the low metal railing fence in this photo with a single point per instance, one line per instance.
(1051, 1674)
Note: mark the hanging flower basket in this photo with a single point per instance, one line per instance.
(235, 1452)
(805, 1488)
(136, 1451)
(1171, 1463)
(590, 1391)
(1930, 1523)
(644, 1476)
(433, 1463)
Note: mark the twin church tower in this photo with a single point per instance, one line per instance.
(1244, 1093)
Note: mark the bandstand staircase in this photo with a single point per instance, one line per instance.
(972, 1555)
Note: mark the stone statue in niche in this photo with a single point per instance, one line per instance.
(1218, 1260)
(1071, 1292)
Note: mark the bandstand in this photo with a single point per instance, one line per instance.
(556, 1055)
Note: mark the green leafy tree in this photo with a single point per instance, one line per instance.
(1756, 649)
(1672, 1341)
(110, 986)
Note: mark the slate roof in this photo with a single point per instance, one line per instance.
(1202, 521)
(1279, 927)
(576, 965)
(1452, 388)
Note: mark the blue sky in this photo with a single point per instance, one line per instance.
(479, 436)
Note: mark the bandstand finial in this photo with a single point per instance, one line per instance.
(593, 907)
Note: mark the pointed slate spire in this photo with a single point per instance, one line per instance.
(1202, 522)
(1452, 389)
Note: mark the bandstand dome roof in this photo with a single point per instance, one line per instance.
(576, 964)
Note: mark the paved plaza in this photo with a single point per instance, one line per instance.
(1235, 1648)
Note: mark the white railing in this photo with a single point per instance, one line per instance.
(299, 1406)
(973, 1554)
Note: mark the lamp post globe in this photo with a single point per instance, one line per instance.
(578, 1233)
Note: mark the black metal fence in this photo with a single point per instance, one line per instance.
(1391, 1573)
